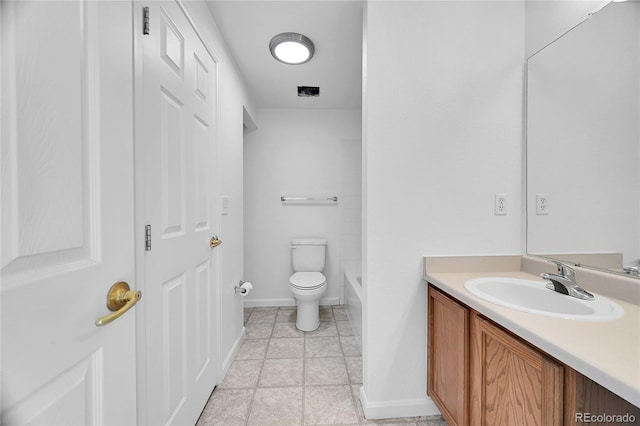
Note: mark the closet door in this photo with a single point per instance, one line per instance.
(179, 168)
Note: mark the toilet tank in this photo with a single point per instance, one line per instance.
(308, 254)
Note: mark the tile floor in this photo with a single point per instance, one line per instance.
(283, 376)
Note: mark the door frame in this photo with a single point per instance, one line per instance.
(139, 204)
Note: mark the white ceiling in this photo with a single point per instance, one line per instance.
(335, 27)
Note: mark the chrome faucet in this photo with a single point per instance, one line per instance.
(565, 282)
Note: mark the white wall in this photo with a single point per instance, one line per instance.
(351, 206)
(232, 97)
(443, 133)
(295, 153)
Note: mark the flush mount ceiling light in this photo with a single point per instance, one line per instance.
(292, 48)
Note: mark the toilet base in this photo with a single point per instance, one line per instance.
(308, 301)
(308, 315)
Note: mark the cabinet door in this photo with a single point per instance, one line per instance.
(448, 359)
(583, 397)
(511, 383)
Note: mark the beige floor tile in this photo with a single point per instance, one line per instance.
(322, 347)
(252, 349)
(354, 368)
(287, 315)
(271, 358)
(432, 421)
(325, 329)
(344, 328)
(266, 308)
(326, 313)
(282, 372)
(258, 330)
(276, 406)
(355, 390)
(350, 346)
(328, 405)
(286, 329)
(325, 371)
(242, 374)
(227, 407)
(286, 348)
(340, 314)
(247, 314)
(262, 316)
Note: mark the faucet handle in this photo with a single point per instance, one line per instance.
(563, 268)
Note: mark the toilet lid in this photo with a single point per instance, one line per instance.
(307, 280)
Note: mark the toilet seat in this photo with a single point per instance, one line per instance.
(307, 280)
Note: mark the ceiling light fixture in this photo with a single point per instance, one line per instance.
(292, 48)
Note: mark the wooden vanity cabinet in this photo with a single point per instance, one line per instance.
(511, 382)
(583, 395)
(481, 374)
(448, 357)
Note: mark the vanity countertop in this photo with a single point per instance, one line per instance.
(607, 352)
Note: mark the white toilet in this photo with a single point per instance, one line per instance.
(307, 283)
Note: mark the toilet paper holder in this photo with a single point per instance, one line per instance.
(239, 289)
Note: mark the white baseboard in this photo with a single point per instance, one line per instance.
(230, 356)
(330, 301)
(400, 408)
(259, 303)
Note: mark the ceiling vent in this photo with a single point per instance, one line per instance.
(308, 91)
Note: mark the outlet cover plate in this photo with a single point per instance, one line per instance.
(500, 205)
(542, 204)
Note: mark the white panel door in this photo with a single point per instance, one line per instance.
(67, 212)
(178, 162)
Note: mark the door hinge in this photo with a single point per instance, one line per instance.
(147, 238)
(145, 20)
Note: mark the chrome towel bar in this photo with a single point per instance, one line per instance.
(308, 200)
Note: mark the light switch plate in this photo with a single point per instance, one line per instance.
(225, 205)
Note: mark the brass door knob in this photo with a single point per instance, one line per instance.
(215, 242)
(119, 299)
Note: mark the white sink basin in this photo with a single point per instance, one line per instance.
(533, 296)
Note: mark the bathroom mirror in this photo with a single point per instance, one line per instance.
(583, 143)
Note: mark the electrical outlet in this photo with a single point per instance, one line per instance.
(500, 205)
(542, 204)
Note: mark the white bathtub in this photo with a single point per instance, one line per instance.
(353, 301)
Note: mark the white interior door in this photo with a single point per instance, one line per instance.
(178, 164)
(67, 212)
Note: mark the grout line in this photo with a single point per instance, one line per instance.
(255, 388)
(304, 375)
(253, 395)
